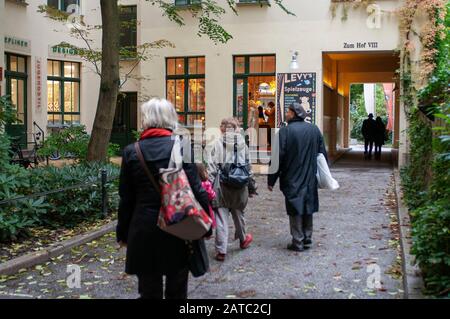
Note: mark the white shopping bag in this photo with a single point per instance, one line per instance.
(324, 178)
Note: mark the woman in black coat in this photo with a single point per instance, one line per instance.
(151, 252)
(380, 134)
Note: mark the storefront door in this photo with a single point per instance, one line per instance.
(16, 87)
(255, 93)
(125, 121)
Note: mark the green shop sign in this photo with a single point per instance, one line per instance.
(64, 50)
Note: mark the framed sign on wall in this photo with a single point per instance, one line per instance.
(296, 88)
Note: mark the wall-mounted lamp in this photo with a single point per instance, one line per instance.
(294, 63)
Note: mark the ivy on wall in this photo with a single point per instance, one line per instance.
(426, 178)
(425, 80)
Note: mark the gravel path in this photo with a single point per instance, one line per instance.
(353, 240)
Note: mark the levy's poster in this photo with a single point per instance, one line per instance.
(299, 88)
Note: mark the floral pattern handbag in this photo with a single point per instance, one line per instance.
(180, 215)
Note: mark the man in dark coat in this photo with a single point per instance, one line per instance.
(299, 145)
(368, 130)
(380, 135)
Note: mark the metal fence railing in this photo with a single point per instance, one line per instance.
(102, 181)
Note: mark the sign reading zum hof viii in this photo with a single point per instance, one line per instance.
(17, 44)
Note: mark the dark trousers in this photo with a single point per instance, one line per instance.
(368, 146)
(378, 150)
(151, 286)
(301, 229)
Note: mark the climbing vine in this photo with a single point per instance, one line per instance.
(424, 77)
(425, 94)
(347, 5)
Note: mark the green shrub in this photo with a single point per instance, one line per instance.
(65, 209)
(70, 141)
(8, 113)
(17, 218)
(7, 116)
(75, 205)
(73, 142)
(431, 238)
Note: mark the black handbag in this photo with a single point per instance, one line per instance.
(198, 262)
(234, 174)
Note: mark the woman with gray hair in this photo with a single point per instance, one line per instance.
(152, 253)
(230, 148)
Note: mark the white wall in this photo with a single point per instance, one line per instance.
(260, 30)
(42, 32)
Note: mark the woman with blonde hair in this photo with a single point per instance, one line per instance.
(230, 148)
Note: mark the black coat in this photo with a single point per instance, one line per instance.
(299, 145)
(369, 129)
(380, 134)
(149, 249)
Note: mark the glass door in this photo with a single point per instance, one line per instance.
(254, 88)
(241, 102)
(125, 120)
(16, 88)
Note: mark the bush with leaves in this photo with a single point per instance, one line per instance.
(73, 142)
(63, 209)
(76, 204)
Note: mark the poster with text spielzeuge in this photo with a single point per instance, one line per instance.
(299, 88)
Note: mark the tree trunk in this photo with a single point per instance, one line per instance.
(109, 83)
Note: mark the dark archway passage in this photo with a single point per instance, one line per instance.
(340, 71)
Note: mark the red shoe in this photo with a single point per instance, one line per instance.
(220, 257)
(246, 243)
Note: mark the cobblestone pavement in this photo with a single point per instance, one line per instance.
(352, 244)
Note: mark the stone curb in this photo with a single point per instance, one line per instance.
(412, 278)
(14, 265)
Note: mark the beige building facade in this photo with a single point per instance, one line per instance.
(208, 82)
(50, 85)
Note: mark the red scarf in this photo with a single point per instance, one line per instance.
(155, 132)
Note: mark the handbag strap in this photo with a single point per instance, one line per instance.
(145, 167)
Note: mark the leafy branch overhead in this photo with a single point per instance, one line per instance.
(208, 13)
(81, 31)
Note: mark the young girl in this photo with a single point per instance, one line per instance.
(207, 186)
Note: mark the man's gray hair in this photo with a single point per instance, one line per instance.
(159, 113)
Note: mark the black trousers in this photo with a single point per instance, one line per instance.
(368, 146)
(378, 150)
(151, 286)
(301, 229)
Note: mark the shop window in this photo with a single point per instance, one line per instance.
(187, 2)
(262, 64)
(185, 88)
(253, 1)
(16, 87)
(64, 5)
(255, 90)
(63, 93)
(239, 65)
(17, 64)
(128, 27)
